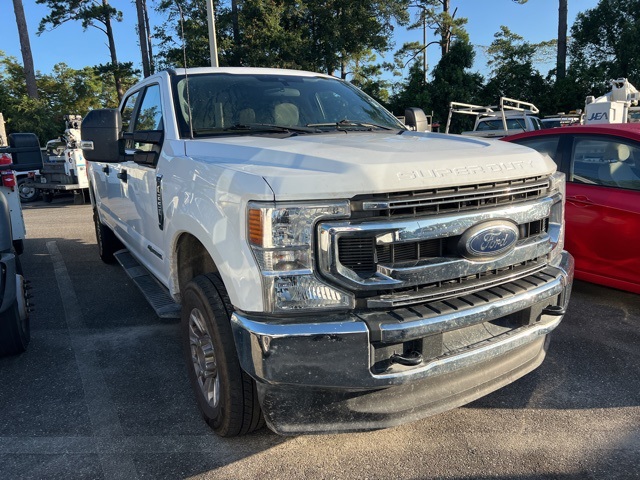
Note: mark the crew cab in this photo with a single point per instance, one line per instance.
(333, 270)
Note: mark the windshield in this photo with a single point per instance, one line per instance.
(240, 104)
(512, 124)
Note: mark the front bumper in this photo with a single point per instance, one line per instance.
(325, 377)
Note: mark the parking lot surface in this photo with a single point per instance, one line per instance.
(103, 392)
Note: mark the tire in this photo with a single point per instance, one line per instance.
(108, 243)
(15, 332)
(18, 247)
(47, 197)
(226, 395)
(27, 193)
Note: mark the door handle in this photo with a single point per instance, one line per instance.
(106, 169)
(122, 175)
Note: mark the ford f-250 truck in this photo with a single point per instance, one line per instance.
(334, 270)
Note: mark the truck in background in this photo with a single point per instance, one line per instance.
(562, 119)
(620, 105)
(509, 117)
(63, 168)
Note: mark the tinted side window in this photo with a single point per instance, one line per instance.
(605, 161)
(150, 115)
(127, 111)
(548, 145)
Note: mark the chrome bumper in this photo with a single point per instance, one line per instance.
(325, 368)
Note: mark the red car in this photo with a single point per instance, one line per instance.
(602, 165)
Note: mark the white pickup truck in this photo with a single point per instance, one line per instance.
(509, 117)
(333, 270)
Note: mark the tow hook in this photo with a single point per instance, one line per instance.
(555, 310)
(410, 359)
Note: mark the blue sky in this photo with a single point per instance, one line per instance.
(535, 21)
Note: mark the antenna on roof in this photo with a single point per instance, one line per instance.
(186, 75)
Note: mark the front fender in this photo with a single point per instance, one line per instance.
(210, 202)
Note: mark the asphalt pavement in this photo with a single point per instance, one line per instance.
(103, 392)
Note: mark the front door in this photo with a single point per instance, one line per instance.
(603, 210)
(138, 210)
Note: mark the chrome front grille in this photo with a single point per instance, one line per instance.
(454, 199)
(361, 254)
(417, 257)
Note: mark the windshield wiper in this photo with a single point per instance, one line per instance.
(254, 128)
(350, 123)
(269, 127)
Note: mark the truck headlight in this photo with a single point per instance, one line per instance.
(556, 221)
(281, 237)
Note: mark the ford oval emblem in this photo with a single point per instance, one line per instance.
(489, 240)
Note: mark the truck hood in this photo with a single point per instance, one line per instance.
(341, 165)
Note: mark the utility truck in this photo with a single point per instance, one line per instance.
(63, 167)
(509, 117)
(620, 105)
(332, 269)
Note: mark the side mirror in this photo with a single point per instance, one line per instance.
(101, 133)
(153, 137)
(25, 151)
(416, 119)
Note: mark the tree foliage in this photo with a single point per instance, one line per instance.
(90, 13)
(512, 68)
(452, 81)
(605, 43)
(440, 19)
(317, 35)
(340, 38)
(63, 91)
(186, 25)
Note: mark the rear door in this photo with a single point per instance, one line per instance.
(109, 190)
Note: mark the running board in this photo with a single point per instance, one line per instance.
(157, 295)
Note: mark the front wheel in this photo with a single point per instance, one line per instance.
(226, 395)
(27, 192)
